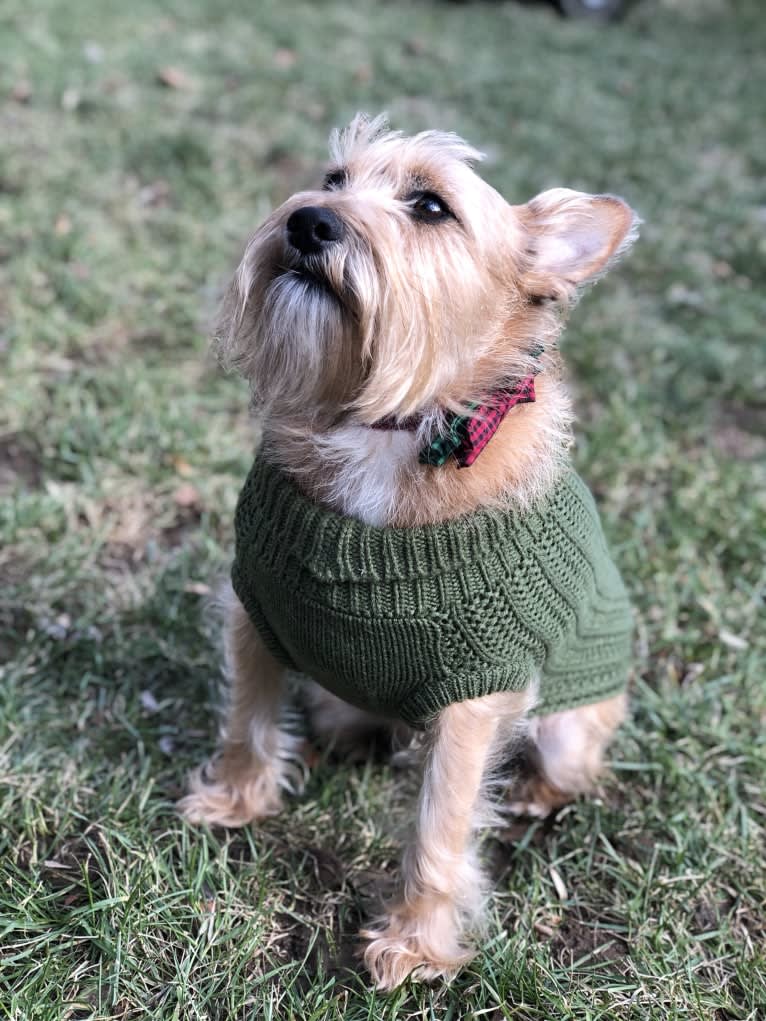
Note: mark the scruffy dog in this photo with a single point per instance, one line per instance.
(412, 535)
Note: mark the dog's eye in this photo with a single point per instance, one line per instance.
(428, 206)
(335, 179)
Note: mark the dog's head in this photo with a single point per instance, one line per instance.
(406, 281)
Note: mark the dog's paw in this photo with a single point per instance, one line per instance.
(412, 945)
(218, 802)
(536, 798)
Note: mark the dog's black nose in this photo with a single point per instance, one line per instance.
(310, 228)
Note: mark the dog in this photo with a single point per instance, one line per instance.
(412, 535)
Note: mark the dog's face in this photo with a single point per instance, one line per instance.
(406, 282)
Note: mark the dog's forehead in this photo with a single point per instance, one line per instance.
(390, 156)
(372, 159)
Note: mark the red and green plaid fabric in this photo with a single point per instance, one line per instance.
(468, 435)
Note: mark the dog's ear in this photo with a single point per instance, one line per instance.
(574, 237)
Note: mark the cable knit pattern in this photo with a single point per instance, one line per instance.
(405, 621)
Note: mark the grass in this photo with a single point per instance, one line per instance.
(140, 143)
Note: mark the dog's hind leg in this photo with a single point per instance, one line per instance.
(425, 932)
(351, 732)
(567, 752)
(257, 759)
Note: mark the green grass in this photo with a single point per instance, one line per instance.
(123, 205)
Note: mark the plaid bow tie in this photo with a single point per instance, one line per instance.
(468, 435)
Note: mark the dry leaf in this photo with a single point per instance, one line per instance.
(148, 701)
(414, 47)
(558, 882)
(186, 495)
(70, 99)
(155, 194)
(733, 641)
(722, 269)
(181, 465)
(93, 52)
(284, 58)
(310, 754)
(22, 91)
(173, 78)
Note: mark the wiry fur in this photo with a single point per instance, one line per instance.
(425, 932)
(400, 317)
(259, 759)
(407, 317)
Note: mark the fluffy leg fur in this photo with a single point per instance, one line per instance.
(257, 759)
(568, 751)
(424, 933)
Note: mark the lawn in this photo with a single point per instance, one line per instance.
(139, 144)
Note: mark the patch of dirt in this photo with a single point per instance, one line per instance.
(705, 916)
(15, 569)
(323, 869)
(335, 950)
(639, 847)
(500, 849)
(117, 558)
(577, 938)
(138, 520)
(735, 442)
(74, 867)
(316, 871)
(20, 461)
(15, 622)
(332, 902)
(335, 946)
(187, 520)
(740, 432)
(751, 924)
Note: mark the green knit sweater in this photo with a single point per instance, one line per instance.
(405, 621)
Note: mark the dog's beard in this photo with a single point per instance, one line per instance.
(306, 344)
(318, 274)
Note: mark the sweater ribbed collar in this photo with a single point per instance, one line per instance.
(292, 529)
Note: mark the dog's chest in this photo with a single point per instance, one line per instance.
(363, 471)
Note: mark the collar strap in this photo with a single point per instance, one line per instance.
(467, 435)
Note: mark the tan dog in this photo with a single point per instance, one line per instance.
(369, 318)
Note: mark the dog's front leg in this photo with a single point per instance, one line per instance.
(425, 932)
(257, 759)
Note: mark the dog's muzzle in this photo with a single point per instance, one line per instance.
(311, 228)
